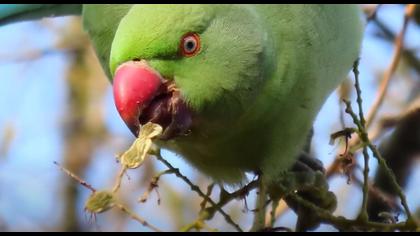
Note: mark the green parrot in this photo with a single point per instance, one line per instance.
(236, 88)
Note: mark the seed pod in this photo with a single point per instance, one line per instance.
(100, 201)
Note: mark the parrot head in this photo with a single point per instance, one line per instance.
(187, 67)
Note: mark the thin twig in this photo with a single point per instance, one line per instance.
(209, 191)
(359, 93)
(377, 193)
(408, 54)
(280, 210)
(272, 219)
(153, 185)
(259, 217)
(198, 224)
(346, 224)
(119, 179)
(394, 182)
(75, 177)
(119, 205)
(383, 88)
(137, 218)
(354, 142)
(226, 197)
(196, 189)
(363, 215)
(382, 163)
(372, 13)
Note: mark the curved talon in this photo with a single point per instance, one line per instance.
(306, 162)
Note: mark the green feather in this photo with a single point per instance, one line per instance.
(257, 84)
(101, 21)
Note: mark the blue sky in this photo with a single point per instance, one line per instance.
(33, 100)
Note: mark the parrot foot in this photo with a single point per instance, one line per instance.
(307, 163)
(307, 179)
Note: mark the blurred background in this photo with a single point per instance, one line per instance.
(57, 105)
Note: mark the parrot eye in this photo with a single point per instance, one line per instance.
(190, 44)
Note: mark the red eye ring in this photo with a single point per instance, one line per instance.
(190, 44)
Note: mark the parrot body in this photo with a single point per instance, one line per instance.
(245, 81)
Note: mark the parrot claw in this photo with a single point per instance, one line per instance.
(308, 163)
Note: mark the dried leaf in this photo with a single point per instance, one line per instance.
(347, 132)
(135, 155)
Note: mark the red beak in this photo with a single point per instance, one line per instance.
(135, 85)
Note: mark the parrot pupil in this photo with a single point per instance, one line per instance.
(190, 45)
